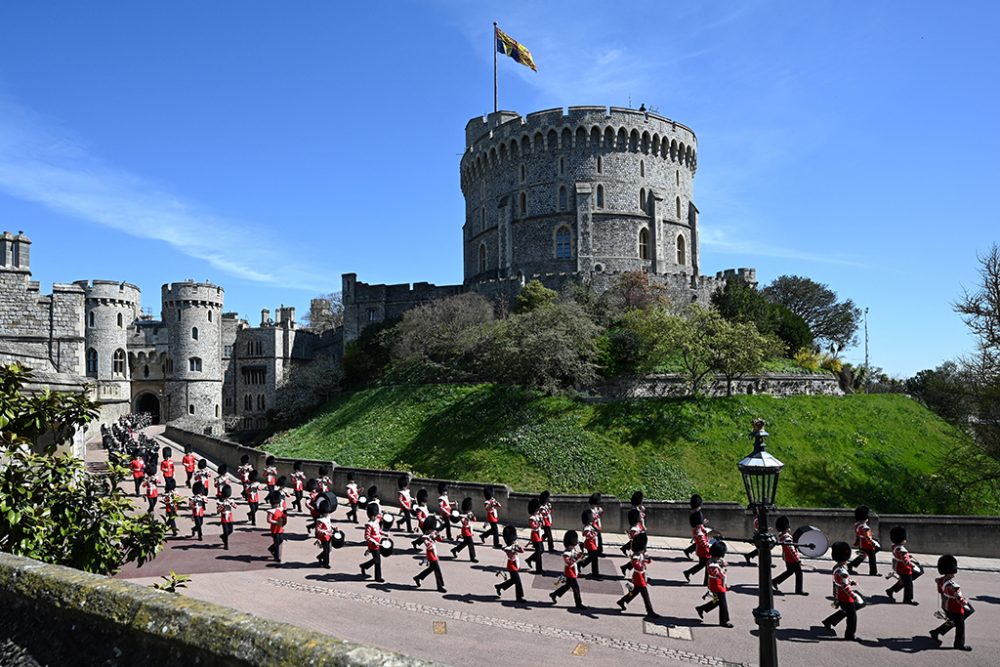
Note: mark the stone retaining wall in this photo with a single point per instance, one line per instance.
(771, 384)
(961, 535)
(54, 615)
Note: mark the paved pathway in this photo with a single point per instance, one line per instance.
(468, 625)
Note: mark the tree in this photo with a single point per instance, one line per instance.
(326, 312)
(739, 301)
(305, 388)
(534, 295)
(737, 349)
(441, 335)
(51, 509)
(833, 323)
(943, 390)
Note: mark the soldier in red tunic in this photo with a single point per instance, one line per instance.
(253, 497)
(324, 482)
(954, 605)
(696, 504)
(189, 462)
(468, 518)
(324, 531)
(790, 555)
(492, 517)
(444, 508)
(276, 520)
(591, 544)
(906, 569)
(298, 484)
(270, 473)
(167, 468)
(700, 535)
(717, 587)
(545, 511)
(405, 501)
(353, 495)
(635, 529)
(511, 549)
(221, 480)
(226, 509)
(598, 512)
(430, 538)
(138, 468)
(243, 472)
(171, 505)
(571, 556)
(864, 541)
(150, 485)
(421, 512)
(204, 475)
(846, 599)
(640, 562)
(373, 542)
(639, 524)
(197, 504)
(537, 543)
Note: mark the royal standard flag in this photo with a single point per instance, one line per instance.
(508, 46)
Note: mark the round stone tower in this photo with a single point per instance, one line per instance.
(589, 190)
(110, 307)
(192, 313)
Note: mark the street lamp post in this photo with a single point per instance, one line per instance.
(760, 472)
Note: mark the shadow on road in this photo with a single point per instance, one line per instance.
(336, 576)
(469, 598)
(673, 621)
(901, 644)
(988, 599)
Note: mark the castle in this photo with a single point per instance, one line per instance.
(582, 195)
(196, 364)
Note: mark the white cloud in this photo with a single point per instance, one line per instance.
(44, 163)
(723, 241)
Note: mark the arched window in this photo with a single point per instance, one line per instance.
(677, 176)
(194, 364)
(564, 247)
(600, 196)
(16, 254)
(91, 361)
(119, 320)
(642, 168)
(524, 204)
(194, 333)
(642, 198)
(562, 197)
(524, 173)
(678, 208)
(681, 255)
(260, 402)
(118, 363)
(209, 315)
(562, 166)
(248, 402)
(643, 243)
(90, 319)
(216, 410)
(482, 257)
(145, 371)
(191, 409)
(600, 165)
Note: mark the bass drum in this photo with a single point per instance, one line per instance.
(811, 540)
(362, 502)
(385, 547)
(388, 520)
(455, 516)
(337, 539)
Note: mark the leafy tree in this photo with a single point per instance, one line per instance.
(791, 329)
(633, 290)
(739, 301)
(326, 312)
(51, 509)
(833, 323)
(943, 390)
(534, 295)
(366, 357)
(441, 332)
(305, 388)
(738, 349)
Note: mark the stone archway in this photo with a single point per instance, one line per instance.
(147, 402)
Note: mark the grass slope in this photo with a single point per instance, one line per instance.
(885, 450)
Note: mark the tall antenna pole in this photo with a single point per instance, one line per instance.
(494, 67)
(868, 375)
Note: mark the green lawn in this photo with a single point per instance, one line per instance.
(886, 450)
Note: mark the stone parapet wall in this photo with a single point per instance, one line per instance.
(111, 622)
(961, 535)
(771, 384)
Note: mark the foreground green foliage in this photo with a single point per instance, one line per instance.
(886, 450)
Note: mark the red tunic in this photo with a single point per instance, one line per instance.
(167, 466)
(324, 530)
(569, 563)
(373, 535)
(902, 562)
(253, 493)
(598, 511)
(189, 462)
(422, 514)
(405, 501)
(467, 520)
(843, 588)
(431, 546)
(225, 510)
(444, 506)
(590, 538)
(272, 475)
(701, 541)
(639, 564)
(492, 515)
(535, 523)
(197, 505)
(952, 600)
(138, 467)
(513, 564)
(298, 480)
(276, 519)
(546, 513)
(717, 576)
(152, 490)
(352, 493)
(789, 554)
(864, 536)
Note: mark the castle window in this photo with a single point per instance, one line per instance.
(524, 204)
(524, 173)
(191, 409)
(194, 333)
(600, 196)
(227, 401)
(600, 166)
(562, 198)
(642, 168)
(178, 314)
(119, 320)
(209, 315)
(92, 361)
(216, 410)
(248, 402)
(15, 253)
(170, 365)
(90, 319)
(564, 248)
(642, 198)
(482, 257)
(677, 176)
(678, 208)
(194, 363)
(260, 402)
(482, 219)
(372, 315)
(145, 371)
(227, 350)
(118, 363)
(681, 255)
(249, 347)
(562, 166)
(643, 243)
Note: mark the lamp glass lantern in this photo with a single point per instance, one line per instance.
(760, 471)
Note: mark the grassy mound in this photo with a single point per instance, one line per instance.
(885, 450)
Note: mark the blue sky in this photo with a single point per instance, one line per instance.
(271, 147)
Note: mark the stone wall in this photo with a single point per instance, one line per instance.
(961, 535)
(772, 384)
(60, 616)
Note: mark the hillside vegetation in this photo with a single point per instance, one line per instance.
(884, 450)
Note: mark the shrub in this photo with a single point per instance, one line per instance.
(534, 295)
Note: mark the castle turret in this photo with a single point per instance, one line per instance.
(15, 253)
(193, 315)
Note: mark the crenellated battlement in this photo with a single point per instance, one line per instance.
(192, 294)
(110, 292)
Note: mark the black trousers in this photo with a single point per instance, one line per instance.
(253, 513)
(492, 530)
(570, 583)
(870, 555)
(138, 484)
(600, 543)
(447, 527)
(275, 548)
(514, 579)
(848, 610)
(790, 569)
(536, 556)
(187, 482)
(644, 592)
(227, 530)
(753, 554)
(956, 621)
(375, 561)
(409, 520)
(435, 567)
(905, 584)
(297, 504)
(720, 602)
(198, 521)
(352, 512)
(694, 569)
(466, 542)
(547, 536)
(152, 504)
(169, 483)
(324, 555)
(171, 522)
(690, 549)
(594, 561)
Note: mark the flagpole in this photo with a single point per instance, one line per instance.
(494, 67)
